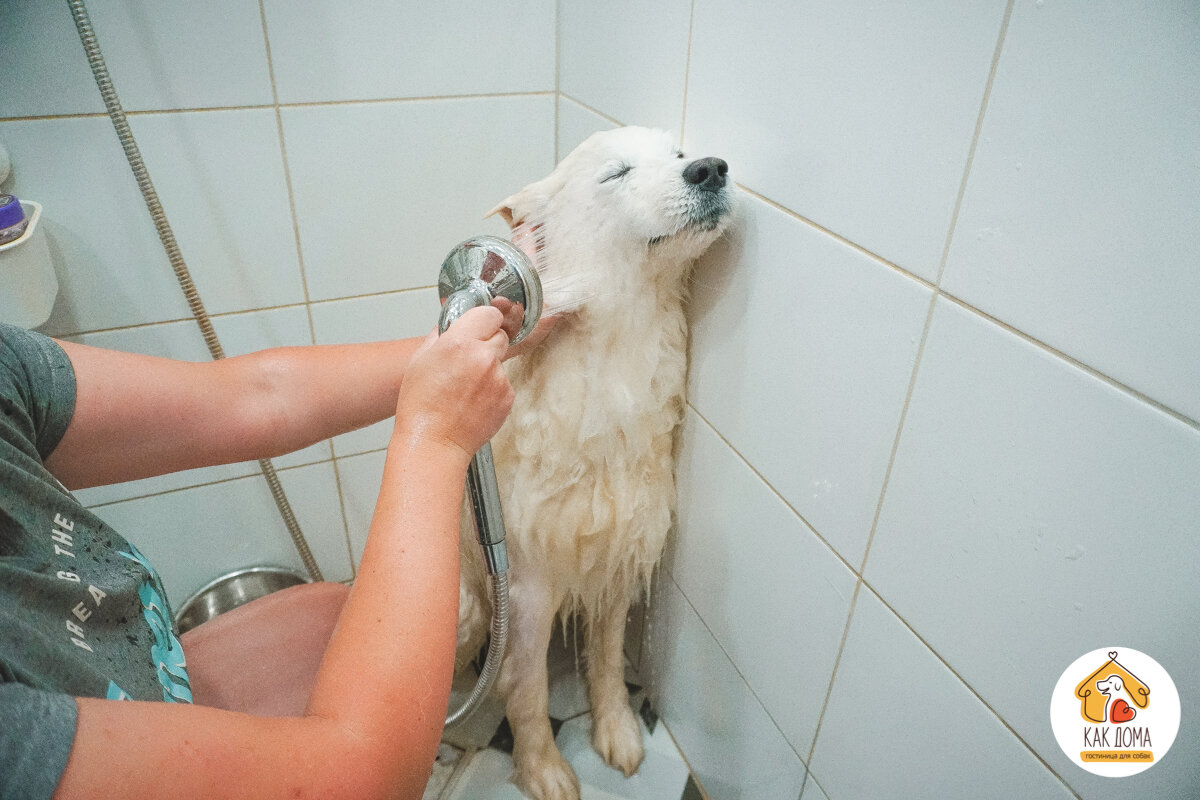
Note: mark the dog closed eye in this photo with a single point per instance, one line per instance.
(620, 171)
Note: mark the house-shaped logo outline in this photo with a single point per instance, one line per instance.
(1093, 703)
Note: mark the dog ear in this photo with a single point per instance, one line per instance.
(505, 210)
(530, 201)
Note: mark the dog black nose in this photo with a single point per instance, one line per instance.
(706, 173)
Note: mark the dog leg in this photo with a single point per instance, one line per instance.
(541, 771)
(615, 731)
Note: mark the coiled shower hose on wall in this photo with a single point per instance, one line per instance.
(115, 113)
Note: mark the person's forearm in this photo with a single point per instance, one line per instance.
(376, 712)
(301, 395)
(389, 665)
(137, 416)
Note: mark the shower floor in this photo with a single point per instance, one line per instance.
(475, 759)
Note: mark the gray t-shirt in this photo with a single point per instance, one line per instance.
(82, 612)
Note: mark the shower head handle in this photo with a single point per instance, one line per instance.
(488, 270)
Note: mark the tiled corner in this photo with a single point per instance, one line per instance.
(1036, 513)
(663, 773)
(741, 556)
(326, 50)
(384, 190)
(576, 123)
(475, 759)
(160, 55)
(857, 115)
(734, 748)
(1079, 224)
(626, 59)
(812, 790)
(802, 352)
(899, 724)
(195, 535)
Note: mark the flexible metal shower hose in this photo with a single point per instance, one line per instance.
(113, 104)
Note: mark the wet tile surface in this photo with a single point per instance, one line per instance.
(475, 760)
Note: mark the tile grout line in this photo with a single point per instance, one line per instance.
(557, 75)
(938, 291)
(687, 71)
(363, 101)
(737, 670)
(308, 310)
(916, 369)
(218, 481)
(591, 109)
(967, 685)
(772, 489)
(246, 311)
(983, 106)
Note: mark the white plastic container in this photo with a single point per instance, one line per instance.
(28, 285)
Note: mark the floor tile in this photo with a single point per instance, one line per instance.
(663, 773)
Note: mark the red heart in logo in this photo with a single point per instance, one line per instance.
(1121, 712)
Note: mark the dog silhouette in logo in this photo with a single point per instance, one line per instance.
(1110, 693)
(1117, 707)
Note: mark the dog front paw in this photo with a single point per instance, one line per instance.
(618, 739)
(547, 777)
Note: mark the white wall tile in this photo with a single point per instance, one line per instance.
(1036, 513)
(899, 724)
(857, 115)
(576, 123)
(812, 790)
(160, 56)
(626, 59)
(329, 50)
(772, 594)
(43, 68)
(398, 315)
(220, 178)
(1081, 220)
(732, 746)
(360, 476)
(384, 190)
(111, 267)
(239, 333)
(196, 535)
(802, 352)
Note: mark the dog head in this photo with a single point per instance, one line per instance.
(1113, 685)
(626, 207)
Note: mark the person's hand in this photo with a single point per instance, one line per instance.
(455, 392)
(513, 319)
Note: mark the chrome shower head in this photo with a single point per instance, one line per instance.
(488, 270)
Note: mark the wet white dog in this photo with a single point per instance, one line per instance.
(585, 461)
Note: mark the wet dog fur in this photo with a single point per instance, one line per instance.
(585, 462)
